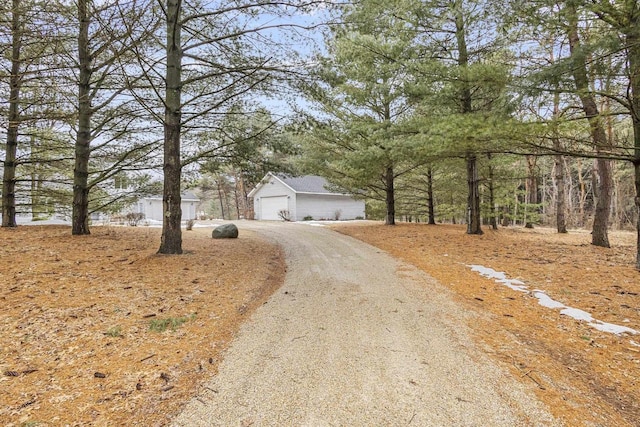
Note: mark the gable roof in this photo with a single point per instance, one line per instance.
(306, 184)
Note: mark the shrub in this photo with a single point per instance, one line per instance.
(133, 218)
(284, 215)
(308, 218)
(190, 224)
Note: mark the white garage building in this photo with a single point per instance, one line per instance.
(302, 197)
(151, 207)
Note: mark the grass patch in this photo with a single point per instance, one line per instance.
(173, 323)
(114, 332)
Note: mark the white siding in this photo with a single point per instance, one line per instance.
(152, 209)
(321, 206)
(188, 210)
(273, 188)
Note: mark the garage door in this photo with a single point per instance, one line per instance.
(270, 206)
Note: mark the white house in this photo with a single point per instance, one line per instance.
(151, 207)
(302, 198)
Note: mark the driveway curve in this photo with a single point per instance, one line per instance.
(355, 337)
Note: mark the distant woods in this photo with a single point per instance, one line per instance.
(109, 101)
(485, 113)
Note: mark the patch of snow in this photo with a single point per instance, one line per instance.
(577, 314)
(515, 284)
(487, 272)
(500, 277)
(206, 225)
(611, 328)
(546, 301)
(29, 221)
(634, 343)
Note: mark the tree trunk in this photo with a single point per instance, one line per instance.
(430, 201)
(473, 199)
(615, 206)
(569, 193)
(561, 205)
(248, 203)
(237, 188)
(600, 227)
(633, 48)
(171, 240)
(236, 199)
(220, 198)
(38, 207)
(582, 196)
(505, 216)
(9, 173)
(637, 182)
(634, 68)
(390, 218)
(599, 235)
(80, 215)
(493, 215)
(225, 194)
(531, 188)
(516, 205)
(453, 210)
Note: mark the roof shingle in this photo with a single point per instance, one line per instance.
(307, 184)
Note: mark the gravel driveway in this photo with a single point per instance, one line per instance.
(357, 338)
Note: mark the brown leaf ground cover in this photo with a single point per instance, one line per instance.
(82, 318)
(587, 377)
(99, 330)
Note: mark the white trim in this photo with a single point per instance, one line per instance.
(264, 180)
(324, 194)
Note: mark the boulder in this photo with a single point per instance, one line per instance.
(225, 231)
